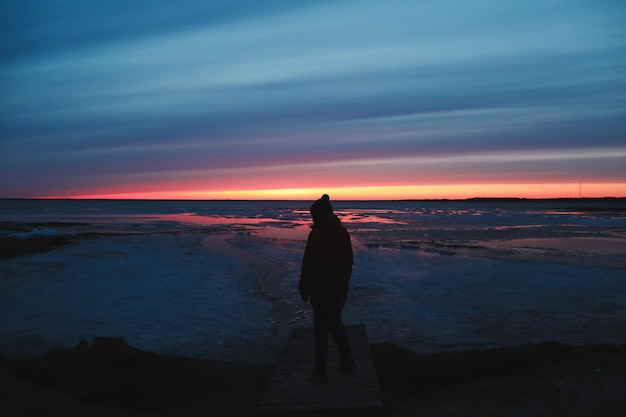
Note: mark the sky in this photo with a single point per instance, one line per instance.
(290, 99)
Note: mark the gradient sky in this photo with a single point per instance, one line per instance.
(288, 99)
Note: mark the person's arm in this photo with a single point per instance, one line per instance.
(307, 272)
(349, 256)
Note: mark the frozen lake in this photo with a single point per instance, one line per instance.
(219, 280)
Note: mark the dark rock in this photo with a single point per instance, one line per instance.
(111, 348)
(11, 247)
(81, 347)
(56, 354)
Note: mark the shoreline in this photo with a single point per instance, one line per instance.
(469, 199)
(108, 376)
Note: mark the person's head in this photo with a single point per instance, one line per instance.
(321, 208)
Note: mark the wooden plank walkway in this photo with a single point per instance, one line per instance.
(292, 392)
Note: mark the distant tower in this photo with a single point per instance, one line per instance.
(580, 189)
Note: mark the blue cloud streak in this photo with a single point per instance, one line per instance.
(96, 91)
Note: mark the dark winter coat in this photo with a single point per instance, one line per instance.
(327, 264)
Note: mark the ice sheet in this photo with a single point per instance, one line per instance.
(219, 280)
(160, 293)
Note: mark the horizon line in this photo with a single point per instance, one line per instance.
(308, 199)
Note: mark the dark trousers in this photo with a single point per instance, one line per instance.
(324, 322)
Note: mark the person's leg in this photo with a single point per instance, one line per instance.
(321, 325)
(338, 331)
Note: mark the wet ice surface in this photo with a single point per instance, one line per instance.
(218, 280)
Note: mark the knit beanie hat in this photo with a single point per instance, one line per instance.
(321, 208)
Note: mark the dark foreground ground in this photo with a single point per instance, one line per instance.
(110, 378)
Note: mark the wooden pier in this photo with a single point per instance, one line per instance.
(292, 392)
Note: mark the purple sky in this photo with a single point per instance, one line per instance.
(125, 96)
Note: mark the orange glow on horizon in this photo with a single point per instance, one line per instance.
(379, 192)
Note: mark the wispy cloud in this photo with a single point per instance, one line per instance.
(239, 88)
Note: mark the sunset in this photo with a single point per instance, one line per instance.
(312, 207)
(287, 100)
(447, 191)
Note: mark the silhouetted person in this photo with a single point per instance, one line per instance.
(326, 271)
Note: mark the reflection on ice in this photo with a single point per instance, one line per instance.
(219, 279)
